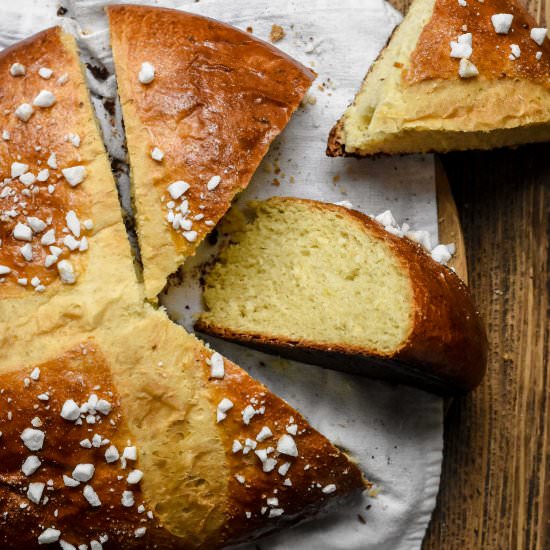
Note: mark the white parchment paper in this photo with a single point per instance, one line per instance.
(394, 432)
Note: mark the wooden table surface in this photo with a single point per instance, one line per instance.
(495, 486)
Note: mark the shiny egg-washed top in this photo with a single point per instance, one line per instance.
(491, 51)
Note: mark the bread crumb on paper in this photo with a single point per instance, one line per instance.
(277, 33)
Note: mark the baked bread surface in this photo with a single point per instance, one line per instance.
(218, 99)
(95, 337)
(413, 99)
(327, 285)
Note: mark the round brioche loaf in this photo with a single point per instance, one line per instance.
(117, 428)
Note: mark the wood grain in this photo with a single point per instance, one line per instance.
(495, 487)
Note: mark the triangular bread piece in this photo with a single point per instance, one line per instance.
(202, 101)
(163, 444)
(327, 285)
(65, 259)
(112, 428)
(492, 91)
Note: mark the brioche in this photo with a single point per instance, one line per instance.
(117, 428)
(201, 101)
(493, 91)
(327, 285)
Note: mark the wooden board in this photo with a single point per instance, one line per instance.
(448, 221)
(495, 485)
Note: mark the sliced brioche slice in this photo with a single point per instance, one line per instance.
(327, 285)
(202, 101)
(418, 98)
(177, 447)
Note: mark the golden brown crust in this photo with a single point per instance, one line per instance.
(447, 348)
(318, 464)
(218, 99)
(77, 374)
(491, 51)
(30, 144)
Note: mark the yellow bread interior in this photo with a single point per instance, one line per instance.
(390, 115)
(298, 272)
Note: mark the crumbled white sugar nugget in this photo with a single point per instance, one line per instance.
(35, 492)
(111, 454)
(18, 169)
(538, 34)
(70, 410)
(213, 182)
(52, 161)
(36, 224)
(190, 236)
(66, 272)
(17, 69)
(237, 446)
(26, 252)
(386, 219)
(27, 179)
(48, 238)
(91, 496)
(217, 369)
(146, 73)
(49, 536)
(467, 69)
(248, 413)
(276, 512)
(328, 489)
(104, 407)
(74, 139)
(140, 532)
(177, 189)
(286, 445)
(22, 232)
(441, 254)
(74, 175)
(4, 270)
(45, 73)
(83, 472)
(73, 223)
(264, 433)
(223, 406)
(516, 52)
(24, 112)
(33, 439)
(31, 464)
(44, 99)
(134, 477)
(127, 499)
(130, 453)
(70, 482)
(462, 47)
(502, 22)
(157, 154)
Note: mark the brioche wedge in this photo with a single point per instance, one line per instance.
(492, 91)
(326, 285)
(202, 102)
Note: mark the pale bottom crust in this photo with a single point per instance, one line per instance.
(435, 141)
